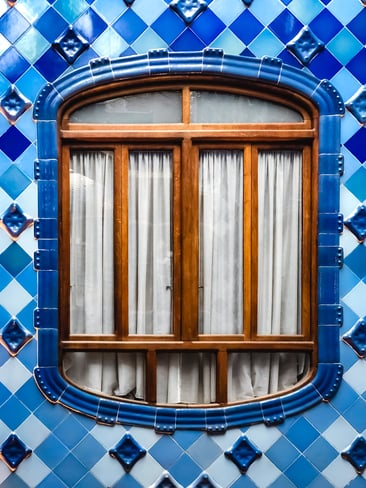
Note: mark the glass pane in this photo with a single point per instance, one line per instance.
(186, 377)
(218, 107)
(279, 242)
(91, 242)
(255, 374)
(140, 108)
(221, 242)
(150, 251)
(121, 374)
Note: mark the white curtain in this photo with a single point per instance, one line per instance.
(186, 377)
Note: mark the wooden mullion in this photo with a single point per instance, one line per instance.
(189, 206)
(251, 239)
(121, 247)
(177, 243)
(221, 376)
(151, 376)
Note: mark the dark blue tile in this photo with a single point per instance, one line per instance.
(301, 473)
(12, 64)
(357, 145)
(246, 27)
(185, 470)
(357, 26)
(51, 65)
(282, 453)
(13, 24)
(321, 453)
(89, 481)
(70, 432)
(356, 415)
(356, 260)
(13, 413)
(357, 66)
(51, 451)
(14, 181)
(14, 259)
(89, 25)
(51, 24)
(166, 452)
(325, 65)
(286, 26)
(302, 434)
(70, 470)
(129, 26)
(325, 26)
(53, 481)
(89, 451)
(207, 26)
(187, 41)
(30, 395)
(168, 26)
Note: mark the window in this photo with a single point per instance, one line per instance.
(308, 134)
(187, 243)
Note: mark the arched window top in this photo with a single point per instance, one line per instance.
(58, 99)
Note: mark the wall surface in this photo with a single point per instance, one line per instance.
(323, 447)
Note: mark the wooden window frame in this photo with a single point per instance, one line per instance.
(185, 140)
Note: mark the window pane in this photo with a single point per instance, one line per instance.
(140, 108)
(121, 374)
(150, 251)
(221, 242)
(218, 107)
(91, 242)
(255, 374)
(279, 242)
(186, 377)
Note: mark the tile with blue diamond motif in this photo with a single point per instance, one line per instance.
(357, 105)
(15, 221)
(14, 336)
(188, 9)
(243, 454)
(13, 104)
(127, 452)
(305, 45)
(70, 45)
(356, 454)
(14, 451)
(356, 338)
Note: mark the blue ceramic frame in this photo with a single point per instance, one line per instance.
(270, 411)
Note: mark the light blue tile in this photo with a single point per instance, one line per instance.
(266, 15)
(305, 12)
(147, 41)
(345, 11)
(109, 43)
(32, 45)
(344, 46)
(227, 15)
(228, 42)
(31, 9)
(108, 10)
(70, 9)
(149, 10)
(4, 44)
(266, 44)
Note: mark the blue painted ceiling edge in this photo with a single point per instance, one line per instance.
(270, 411)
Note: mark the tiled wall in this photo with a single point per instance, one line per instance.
(62, 449)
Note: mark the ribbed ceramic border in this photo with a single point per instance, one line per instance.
(271, 411)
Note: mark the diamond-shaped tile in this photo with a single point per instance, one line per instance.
(14, 451)
(14, 336)
(357, 105)
(356, 261)
(188, 9)
(305, 45)
(165, 482)
(15, 221)
(356, 223)
(204, 482)
(243, 454)
(127, 452)
(356, 338)
(70, 45)
(356, 454)
(14, 259)
(13, 104)
(11, 149)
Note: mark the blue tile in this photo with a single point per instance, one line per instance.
(8, 146)
(185, 470)
(28, 279)
(187, 41)
(90, 25)
(14, 259)
(51, 416)
(357, 185)
(51, 481)
(302, 434)
(30, 395)
(70, 432)
(205, 451)
(89, 451)
(13, 24)
(357, 26)
(301, 473)
(166, 452)
(207, 26)
(357, 259)
(321, 453)
(70, 470)
(357, 66)
(246, 482)
(51, 65)
(71, 10)
(51, 451)
(282, 453)
(325, 18)
(356, 415)
(168, 26)
(89, 481)
(344, 46)
(12, 64)
(325, 65)
(13, 413)
(246, 27)
(51, 24)
(14, 181)
(286, 26)
(185, 438)
(129, 26)
(356, 144)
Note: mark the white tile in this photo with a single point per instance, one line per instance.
(32, 432)
(108, 470)
(340, 434)
(14, 298)
(355, 299)
(13, 374)
(32, 470)
(339, 473)
(355, 376)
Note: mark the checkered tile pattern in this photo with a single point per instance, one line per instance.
(69, 450)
